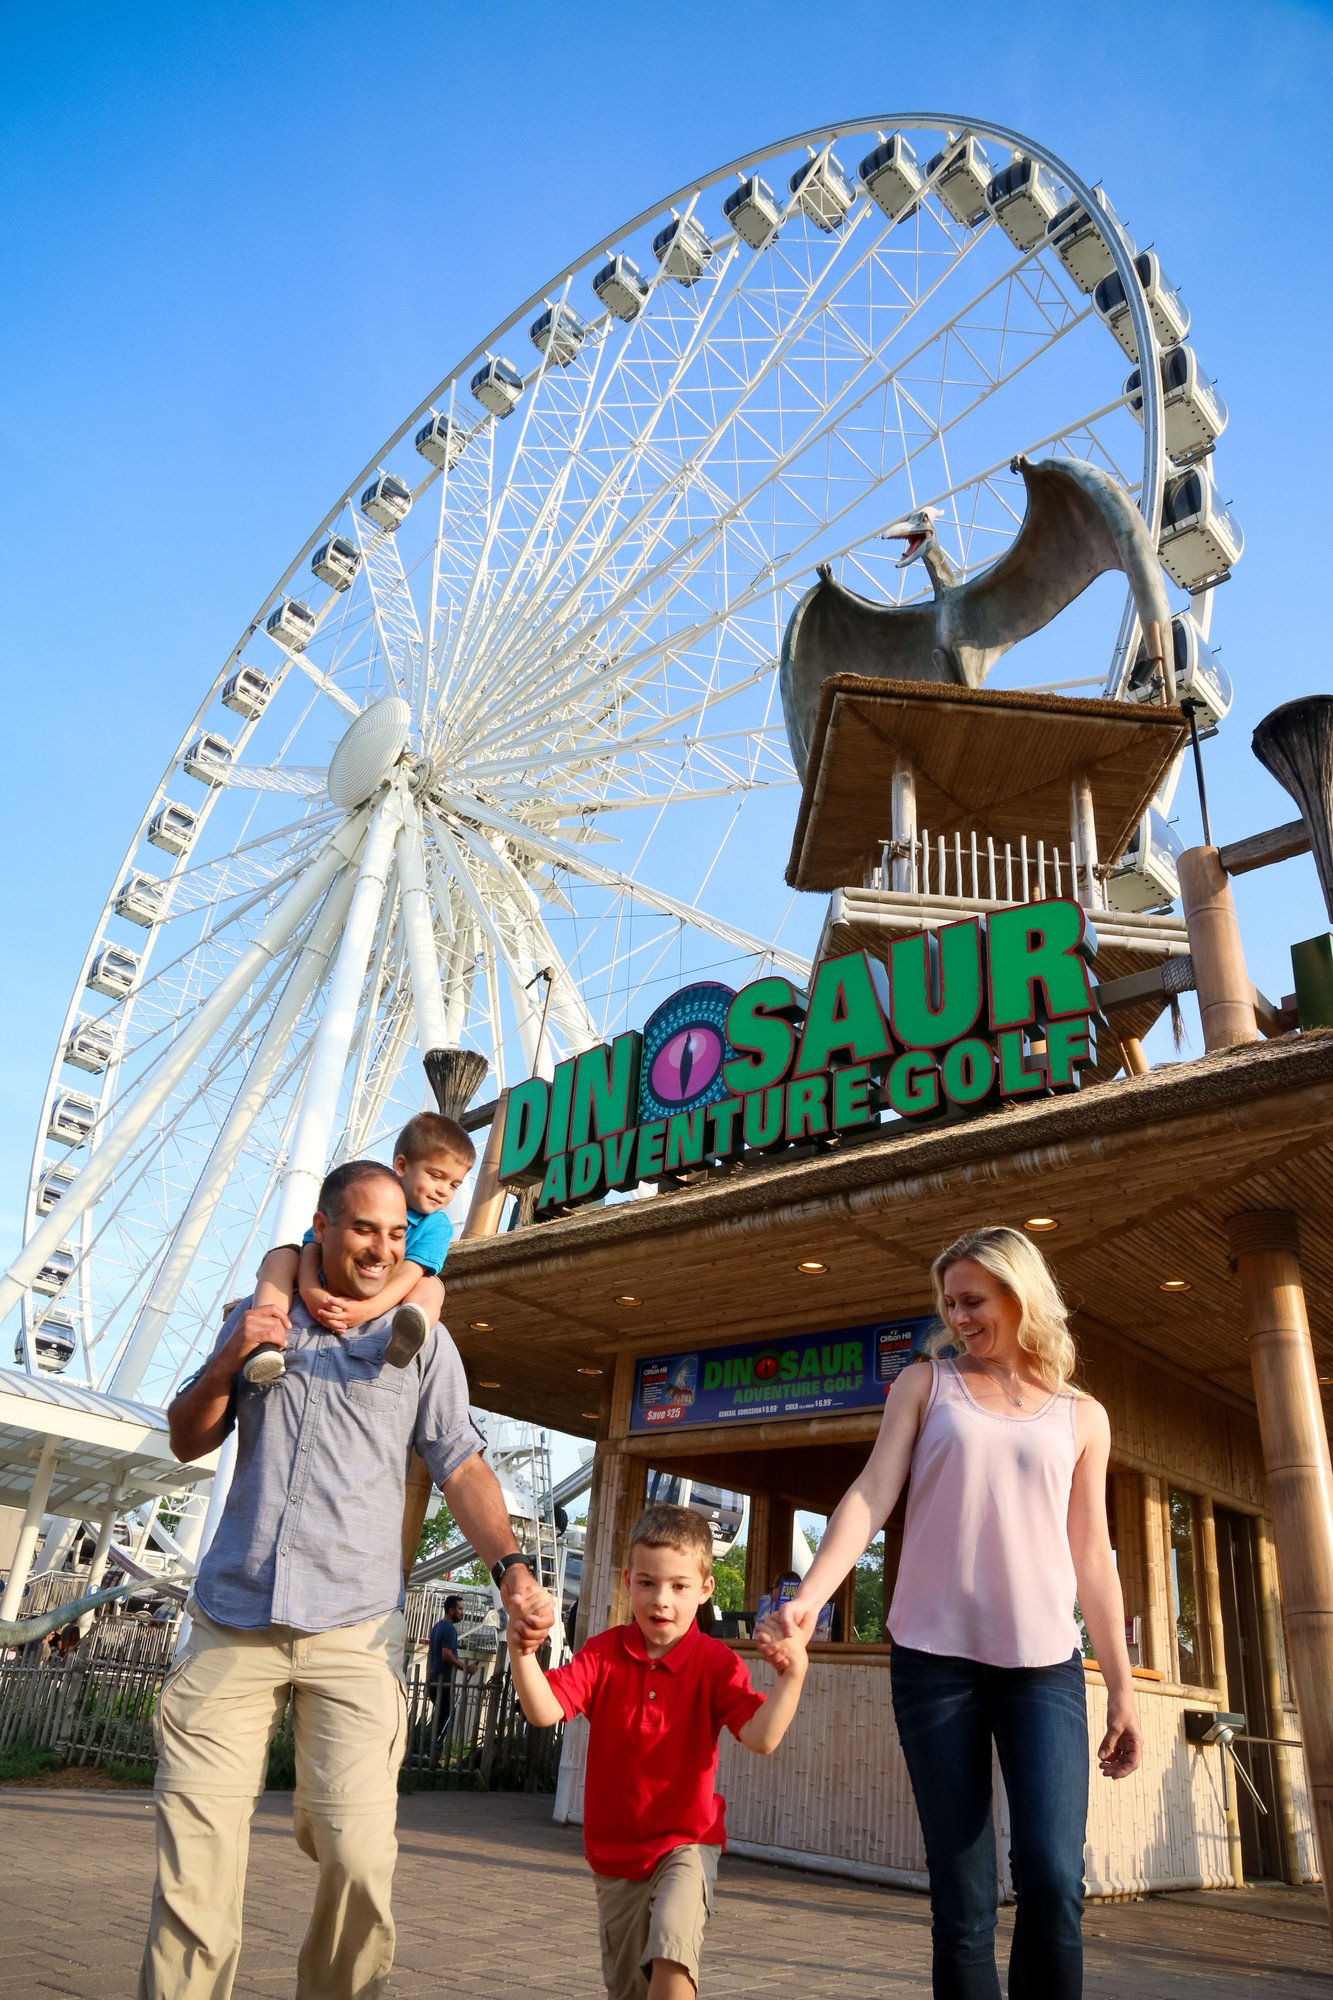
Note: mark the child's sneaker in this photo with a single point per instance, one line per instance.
(407, 1336)
(263, 1365)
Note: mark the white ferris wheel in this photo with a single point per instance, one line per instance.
(513, 708)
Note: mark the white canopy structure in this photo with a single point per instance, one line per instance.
(66, 1450)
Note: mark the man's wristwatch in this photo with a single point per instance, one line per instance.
(500, 1569)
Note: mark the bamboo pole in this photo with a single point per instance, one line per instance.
(902, 875)
(633, 1484)
(1264, 1248)
(1155, 1603)
(416, 1499)
(1217, 1666)
(1226, 1003)
(1269, 1603)
(758, 1543)
(488, 1192)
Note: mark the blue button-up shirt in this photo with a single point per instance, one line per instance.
(311, 1535)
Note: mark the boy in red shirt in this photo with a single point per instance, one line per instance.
(657, 1694)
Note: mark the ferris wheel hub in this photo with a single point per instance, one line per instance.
(369, 751)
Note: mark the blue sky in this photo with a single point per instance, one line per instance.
(243, 241)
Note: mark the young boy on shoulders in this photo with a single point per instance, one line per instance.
(657, 1694)
(432, 1159)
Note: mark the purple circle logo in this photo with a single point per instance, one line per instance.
(685, 1048)
(686, 1064)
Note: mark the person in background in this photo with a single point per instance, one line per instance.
(658, 1693)
(1006, 1526)
(442, 1662)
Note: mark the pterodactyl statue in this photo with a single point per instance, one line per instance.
(1079, 523)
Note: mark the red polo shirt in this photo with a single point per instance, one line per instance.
(652, 1743)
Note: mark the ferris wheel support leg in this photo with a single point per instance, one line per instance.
(83, 1191)
(194, 1224)
(307, 1160)
(419, 933)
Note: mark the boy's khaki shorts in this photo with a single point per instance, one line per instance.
(662, 1917)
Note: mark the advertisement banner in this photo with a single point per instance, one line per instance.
(793, 1375)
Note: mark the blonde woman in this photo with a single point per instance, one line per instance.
(1006, 1524)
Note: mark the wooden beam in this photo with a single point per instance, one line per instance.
(1261, 850)
(863, 1424)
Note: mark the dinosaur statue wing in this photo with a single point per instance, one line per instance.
(833, 631)
(1079, 523)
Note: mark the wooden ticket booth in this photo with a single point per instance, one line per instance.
(743, 1324)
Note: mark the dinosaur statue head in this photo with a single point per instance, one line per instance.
(917, 529)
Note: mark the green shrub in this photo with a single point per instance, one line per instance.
(26, 1759)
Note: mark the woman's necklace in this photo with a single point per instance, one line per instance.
(1017, 1396)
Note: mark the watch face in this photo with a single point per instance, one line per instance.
(684, 1047)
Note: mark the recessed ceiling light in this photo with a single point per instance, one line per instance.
(486, 1385)
(480, 1325)
(627, 1299)
(593, 1416)
(591, 1371)
(1037, 1223)
(812, 1267)
(1325, 1381)
(1174, 1285)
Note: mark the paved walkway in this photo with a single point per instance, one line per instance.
(494, 1901)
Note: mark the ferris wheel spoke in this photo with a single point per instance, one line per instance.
(395, 612)
(537, 947)
(754, 283)
(621, 660)
(675, 358)
(579, 864)
(595, 562)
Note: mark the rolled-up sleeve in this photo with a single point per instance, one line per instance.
(445, 1434)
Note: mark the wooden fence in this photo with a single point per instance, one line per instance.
(97, 1707)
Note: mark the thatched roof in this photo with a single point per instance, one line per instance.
(1140, 1174)
(995, 761)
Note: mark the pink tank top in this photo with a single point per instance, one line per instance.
(986, 1571)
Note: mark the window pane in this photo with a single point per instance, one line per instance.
(1184, 1583)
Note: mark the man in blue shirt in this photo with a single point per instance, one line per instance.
(300, 1597)
(443, 1661)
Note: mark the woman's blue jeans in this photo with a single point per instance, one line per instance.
(947, 1711)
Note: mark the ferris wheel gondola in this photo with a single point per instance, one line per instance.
(511, 711)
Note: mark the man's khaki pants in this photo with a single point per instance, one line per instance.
(218, 1710)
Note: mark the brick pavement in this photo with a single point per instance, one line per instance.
(476, 1870)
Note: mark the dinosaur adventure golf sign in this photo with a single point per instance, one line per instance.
(716, 1075)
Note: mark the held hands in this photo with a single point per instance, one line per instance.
(783, 1635)
(1122, 1746)
(328, 1310)
(531, 1609)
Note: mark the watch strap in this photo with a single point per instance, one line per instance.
(500, 1569)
